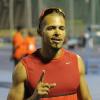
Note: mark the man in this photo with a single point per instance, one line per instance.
(51, 73)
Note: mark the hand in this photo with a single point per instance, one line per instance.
(43, 88)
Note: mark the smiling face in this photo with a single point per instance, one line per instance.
(53, 31)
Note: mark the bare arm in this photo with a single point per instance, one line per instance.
(83, 92)
(17, 89)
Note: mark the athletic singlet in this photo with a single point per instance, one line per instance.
(62, 71)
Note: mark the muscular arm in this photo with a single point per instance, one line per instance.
(17, 89)
(83, 92)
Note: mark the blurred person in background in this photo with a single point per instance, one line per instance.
(51, 72)
(89, 38)
(17, 43)
(82, 41)
(30, 42)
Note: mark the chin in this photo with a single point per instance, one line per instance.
(56, 47)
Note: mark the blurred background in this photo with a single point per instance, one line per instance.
(83, 34)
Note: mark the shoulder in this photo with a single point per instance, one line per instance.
(19, 74)
(70, 53)
(28, 58)
(81, 65)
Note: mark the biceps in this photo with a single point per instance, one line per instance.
(83, 83)
(84, 91)
(16, 92)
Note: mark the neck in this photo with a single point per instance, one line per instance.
(48, 54)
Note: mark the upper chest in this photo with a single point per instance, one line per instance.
(63, 72)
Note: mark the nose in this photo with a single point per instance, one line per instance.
(56, 34)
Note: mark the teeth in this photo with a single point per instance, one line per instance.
(56, 39)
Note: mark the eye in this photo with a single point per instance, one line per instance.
(50, 27)
(62, 28)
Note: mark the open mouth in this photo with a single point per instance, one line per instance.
(57, 40)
